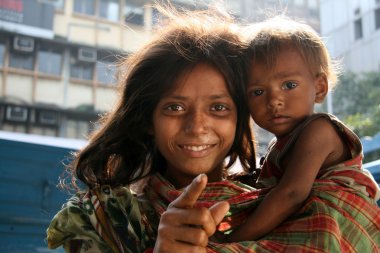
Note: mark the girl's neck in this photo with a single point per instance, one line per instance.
(182, 180)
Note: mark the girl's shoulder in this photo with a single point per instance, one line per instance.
(89, 216)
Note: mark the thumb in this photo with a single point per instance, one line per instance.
(191, 194)
(219, 210)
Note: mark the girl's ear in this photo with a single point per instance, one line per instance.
(321, 88)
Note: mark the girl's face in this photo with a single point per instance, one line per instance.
(283, 96)
(194, 125)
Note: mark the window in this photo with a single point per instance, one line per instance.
(82, 70)
(2, 53)
(16, 113)
(21, 60)
(358, 29)
(49, 60)
(46, 117)
(57, 4)
(77, 129)
(105, 72)
(106, 67)
(156, 17)
(109, 9)
(133, 13)
(80, 67)
(84, 7)
(377, 18)
(357, 11)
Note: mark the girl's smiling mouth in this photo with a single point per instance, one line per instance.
(196, 147)
(197, 151)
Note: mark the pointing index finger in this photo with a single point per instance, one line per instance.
(191, 194)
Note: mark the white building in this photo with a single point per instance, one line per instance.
(303, 10)
(352, 33)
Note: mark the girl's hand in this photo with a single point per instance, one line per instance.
(219, 237)
(184, 228)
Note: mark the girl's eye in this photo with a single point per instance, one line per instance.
(219, 107)
(175, 108)
(289, 85)
(257, 93)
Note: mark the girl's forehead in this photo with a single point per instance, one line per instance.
(173, 82)
(202, 80)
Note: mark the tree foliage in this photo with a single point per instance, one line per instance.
(356, 101)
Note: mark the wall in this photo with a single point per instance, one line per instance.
(337, 26)
(28, 193)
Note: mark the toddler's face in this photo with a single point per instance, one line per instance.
(283, 96)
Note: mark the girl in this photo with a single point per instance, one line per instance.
(181, 113)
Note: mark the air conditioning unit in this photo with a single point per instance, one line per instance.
(87, 54)
(48, 117)
(16, 113)
(24, 44)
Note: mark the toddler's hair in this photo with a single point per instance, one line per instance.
(267, 39)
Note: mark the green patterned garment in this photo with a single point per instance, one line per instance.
(115, 220)
(104, 220)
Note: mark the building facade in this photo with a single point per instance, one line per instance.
(59, 59)
(303, 10)
(353, 33)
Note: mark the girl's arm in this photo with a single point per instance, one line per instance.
(319, 145)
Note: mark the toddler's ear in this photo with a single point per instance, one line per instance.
(321, 88)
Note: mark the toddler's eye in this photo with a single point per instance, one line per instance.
(257, 93)
(289, 85)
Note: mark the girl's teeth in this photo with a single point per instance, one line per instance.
(196, 148)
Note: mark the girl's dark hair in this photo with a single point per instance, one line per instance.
(122, 151)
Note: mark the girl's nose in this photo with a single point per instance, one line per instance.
(196, 123)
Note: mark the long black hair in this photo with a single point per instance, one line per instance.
(122, 151)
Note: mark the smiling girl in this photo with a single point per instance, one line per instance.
(182, 112)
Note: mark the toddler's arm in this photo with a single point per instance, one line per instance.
(319, 145)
